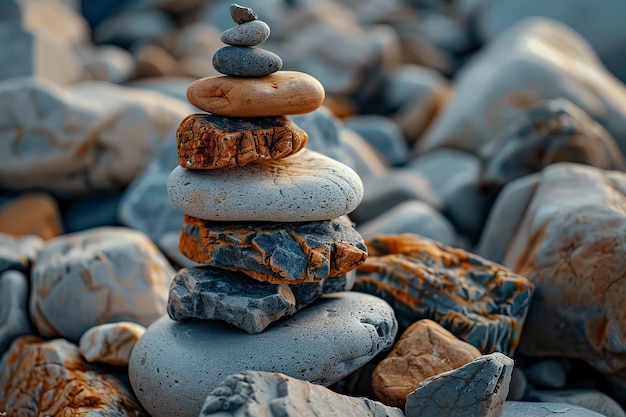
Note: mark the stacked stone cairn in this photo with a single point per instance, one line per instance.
(265, 216)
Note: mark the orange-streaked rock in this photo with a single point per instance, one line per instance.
(49, 378)
(424, 349)
(280, 93)
(478, 301)
(31, 214)
(110, 343)
(205, 141)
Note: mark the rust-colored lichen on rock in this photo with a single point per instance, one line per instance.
(49, 378)
(275, 252)
(478, 301)
(205, 141)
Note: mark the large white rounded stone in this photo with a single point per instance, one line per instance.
(175, 365)
(307, 186)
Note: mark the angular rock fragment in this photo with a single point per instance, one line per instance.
(210, 142)
(269, 394)
(275, 252)
(49, 378)
(110, 343)
(98, 276)
(477, 389)
(425, 349)
(478, 301)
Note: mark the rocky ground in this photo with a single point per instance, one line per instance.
(427, 216)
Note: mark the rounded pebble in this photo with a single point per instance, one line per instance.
(246, 34)
(246, 61)
(241, 14)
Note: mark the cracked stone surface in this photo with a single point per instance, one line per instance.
(478, 301)
(571, 244)
(275, 252)
(477, 389)
(425, 349)
(323, 343)
(254, 393)
(550, 131)
(205, 141)
(49, 378)
(98, 276)
(307, 186)
(544, 409)
(14, 320)
(18, 253)
(110, 343)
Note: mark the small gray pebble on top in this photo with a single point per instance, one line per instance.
(241, 14)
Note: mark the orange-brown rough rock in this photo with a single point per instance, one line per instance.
(425, 349)
(31, 214)
(205, 141)
(280, 93)
(275, 252)
(479, 301)
(49, 378)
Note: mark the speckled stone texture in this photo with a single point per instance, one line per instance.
(204, 141)
(275, 252)
(110, 343)
(550, 131)
(321, 344)
(255, 393)
(307, 186)
(49, 378)
(14, 319)
(246, 61)
(280, 93)
(478, 301)
(425, 349)
(246, 34)
(477, 389)
(571, 244)
(18, 253)
(98, 276)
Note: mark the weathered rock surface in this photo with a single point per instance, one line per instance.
(571, 244)
(110, 343)
(280, 93)
(425, 349)
(89, 137)
(275, 252)
(204, 141)
(551, 131)
(587, 398)
(18, 253)
(476, 389)
(97, 276)
(531, 61)
(14, 319)
(31, 214)
(321, 344)
(478, 301)
(307, 186)
(274, 394)
(543, 409)
(39, 377)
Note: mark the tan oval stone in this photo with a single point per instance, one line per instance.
(280, 93)
(425, 349)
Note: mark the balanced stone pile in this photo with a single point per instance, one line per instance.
(264, 215)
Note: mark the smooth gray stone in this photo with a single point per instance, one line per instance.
(477, 389)
(246, 34)
(242, 14)
(13, 308)
(548, 373)
(18, 253)
(383, 135)
(246, 61)
(518, 386)
(541, 409)
(586, 398)
(266, 394)
(176, 364)
(341, 283)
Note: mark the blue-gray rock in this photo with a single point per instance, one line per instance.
(13, 308)
(18, 253)
(586, 398)
(548, 373)
(246, 61)
(255, 393)
(90, 212)
(518, 385)
(541, 409)
(341, 283)
(242, 14)
(246, 34)
(177, 363)
(477, 389)
(132, 28)
(383, 135)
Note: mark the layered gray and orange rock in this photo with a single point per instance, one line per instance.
(480, 302)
